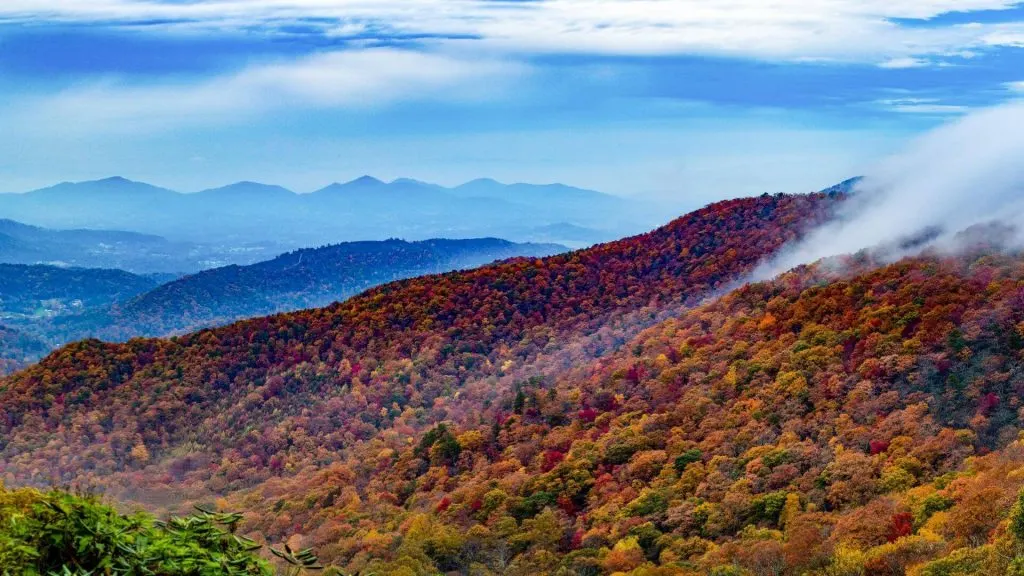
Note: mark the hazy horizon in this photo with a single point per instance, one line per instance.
(344, 181)
(447, 184)
(680, 100)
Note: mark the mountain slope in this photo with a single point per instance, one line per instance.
(817, 424)
(457, 324)
(845, 418)
(169, 410)
(848, 418)
(845, 187)
(33, 297)
(302, 279)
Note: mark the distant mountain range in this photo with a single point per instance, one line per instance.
(56, 304)
(363, 209)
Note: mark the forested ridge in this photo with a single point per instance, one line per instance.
(826, 423)
(24, 287)
(822, 425)
(409, 341)
(300, 279)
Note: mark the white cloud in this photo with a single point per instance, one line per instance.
(505, 32)
(964, 173)
(1015, 86)
(792, 30)
(1007, 36)
(905, 62)
(352, 79)
(920, 106)
(935, 109)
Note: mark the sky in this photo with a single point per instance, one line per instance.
(685, 100)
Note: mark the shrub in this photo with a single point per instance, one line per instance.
(61, 533)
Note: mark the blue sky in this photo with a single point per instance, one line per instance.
(691, 100)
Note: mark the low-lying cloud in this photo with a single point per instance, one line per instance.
(965, 173)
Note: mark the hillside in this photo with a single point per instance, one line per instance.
(149, 419)
(818, 424)
(848, 418)
(33, 297)
(302, 279)
(46, 290)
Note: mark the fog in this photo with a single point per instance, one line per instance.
(964, 173)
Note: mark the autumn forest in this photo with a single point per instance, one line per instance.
(631, 408)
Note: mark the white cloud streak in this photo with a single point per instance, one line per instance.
(787, 30)
(352, 79)
(965, 173)
(903, 63)
(503, 33)
(930, 106)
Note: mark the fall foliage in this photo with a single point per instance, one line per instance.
(590, 413)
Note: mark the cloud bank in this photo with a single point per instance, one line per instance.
(965, 173)
(360, 79)
(868, 31)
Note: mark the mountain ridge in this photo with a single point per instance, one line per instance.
(366, 180)
(362, 209)
(607, 411)
(460, 325)
(306, 278)
(588, 413)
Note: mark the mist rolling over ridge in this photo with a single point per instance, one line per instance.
(967, 172)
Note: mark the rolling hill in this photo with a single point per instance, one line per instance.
(40, 290)
(18, 349)
(307, 278)
(341, 377)
(627, 409)
(32, 297)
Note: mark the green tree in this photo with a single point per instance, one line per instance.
(57, 533)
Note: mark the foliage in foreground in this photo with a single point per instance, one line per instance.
(57, 533)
